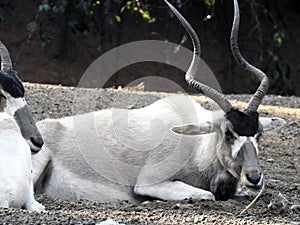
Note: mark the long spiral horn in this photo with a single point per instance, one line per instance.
(192, 70)
(261, 91)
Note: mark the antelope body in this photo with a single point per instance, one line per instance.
(171, 150)
(119, 154)
(19, 137)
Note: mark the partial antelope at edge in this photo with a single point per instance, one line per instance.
(19, 137)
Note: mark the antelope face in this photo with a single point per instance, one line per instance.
(241, 133)
(13, 102)
(241, 156)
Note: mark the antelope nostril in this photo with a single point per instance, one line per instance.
(38, 142)
(254, 179)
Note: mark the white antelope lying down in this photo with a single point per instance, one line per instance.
(171, 150)
(19, 137)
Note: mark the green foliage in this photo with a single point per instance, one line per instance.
(146, 16)
(55, 15)
(86, 16)
(118, 18)
(128, 5)
(210, 2)
(43, 7)
(82, 15)
(278, 38)
(137, 6)
(59, 7)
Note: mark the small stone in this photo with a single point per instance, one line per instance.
(278, 203)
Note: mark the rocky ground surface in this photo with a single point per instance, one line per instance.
(279, 155)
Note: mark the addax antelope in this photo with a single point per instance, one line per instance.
(19, 137)
(172, 149)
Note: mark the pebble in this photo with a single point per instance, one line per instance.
(278, 203)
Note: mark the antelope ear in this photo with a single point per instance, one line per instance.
(271, 123)
(195, 129)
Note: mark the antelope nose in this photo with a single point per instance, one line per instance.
(254, 177)
(38, 142)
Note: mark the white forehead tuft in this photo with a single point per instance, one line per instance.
(239, 142)
(236, 147)
(13, 104)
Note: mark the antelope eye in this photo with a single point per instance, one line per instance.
(258, 135)
(229, 135)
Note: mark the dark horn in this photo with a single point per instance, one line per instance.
(261, 91)
(192, 70)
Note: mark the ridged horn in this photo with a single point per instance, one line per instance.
(6, 64)
(217, 97)
(261, 91)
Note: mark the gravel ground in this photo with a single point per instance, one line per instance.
(279, 154)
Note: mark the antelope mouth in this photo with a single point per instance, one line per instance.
(255, 187)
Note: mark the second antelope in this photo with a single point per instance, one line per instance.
(19, 137)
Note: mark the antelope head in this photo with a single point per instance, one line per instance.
(13, 101)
